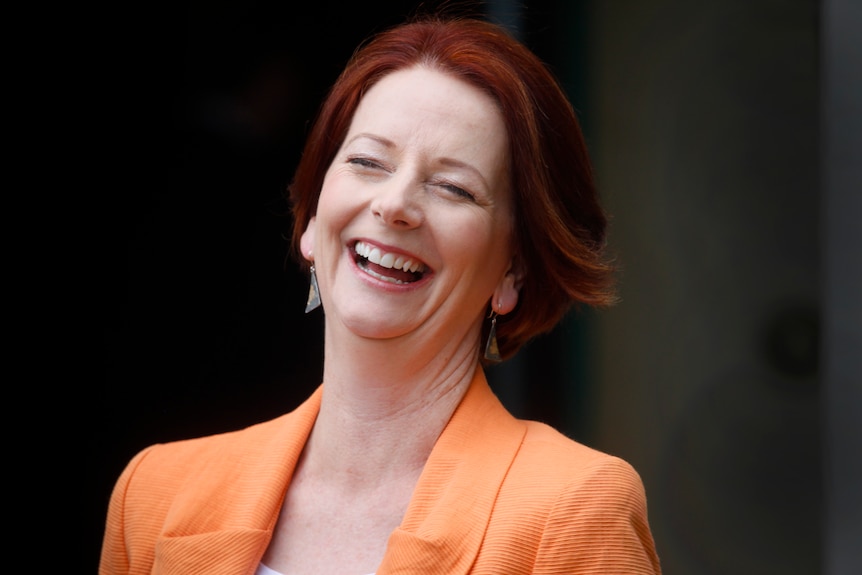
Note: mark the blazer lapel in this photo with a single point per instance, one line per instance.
(223, 527)
(448, 514)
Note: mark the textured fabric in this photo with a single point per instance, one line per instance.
(497, 496)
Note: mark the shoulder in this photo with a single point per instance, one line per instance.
(566, 504)
(200, 485)
(261, 444)
(156, 476)
(153, 479)
(170, 461)
(565, 461)
(566, 469)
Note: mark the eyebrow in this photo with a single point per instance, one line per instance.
(380, 139)
(449, 162)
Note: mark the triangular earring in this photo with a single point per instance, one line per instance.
(492, 352)
(313, 293)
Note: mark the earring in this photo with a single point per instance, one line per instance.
(492, 352)
(313, 293)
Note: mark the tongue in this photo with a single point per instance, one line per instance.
(400, 275)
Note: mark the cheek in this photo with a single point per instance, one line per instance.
(480, 244)
(328, 193)
(334, 207)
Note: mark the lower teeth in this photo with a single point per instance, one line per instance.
(364, 267)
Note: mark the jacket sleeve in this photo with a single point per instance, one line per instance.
(115, 558)
(599, 525)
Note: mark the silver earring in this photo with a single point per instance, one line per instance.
(313, 293)
(492, 352)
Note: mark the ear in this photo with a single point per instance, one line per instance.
(306, 243)
(505, 296)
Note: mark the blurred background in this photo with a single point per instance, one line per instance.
(726, 142)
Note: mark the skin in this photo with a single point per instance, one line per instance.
(423, 175)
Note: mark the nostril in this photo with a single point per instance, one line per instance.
(396, 210)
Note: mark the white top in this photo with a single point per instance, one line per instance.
(264, 570)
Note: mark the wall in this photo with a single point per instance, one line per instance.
(706, 136)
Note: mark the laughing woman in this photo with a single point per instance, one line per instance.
(445, 209)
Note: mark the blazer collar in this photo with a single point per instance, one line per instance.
(451, 506)
(442, 529)
(209, 532)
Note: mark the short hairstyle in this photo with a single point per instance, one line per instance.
(559, 224)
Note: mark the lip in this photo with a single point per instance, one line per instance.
(427, 273)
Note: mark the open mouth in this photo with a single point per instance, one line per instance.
(388, 267)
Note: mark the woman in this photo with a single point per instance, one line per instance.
(445, 206)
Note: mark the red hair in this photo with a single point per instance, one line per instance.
(559, 224)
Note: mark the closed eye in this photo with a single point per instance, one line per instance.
(363, 162)
(458, 191)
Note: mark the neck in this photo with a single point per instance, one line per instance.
(384, 405)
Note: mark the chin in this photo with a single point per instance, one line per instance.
(373, 328)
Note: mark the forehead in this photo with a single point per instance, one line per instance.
(422, 101)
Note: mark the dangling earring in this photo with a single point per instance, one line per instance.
(313, 293)
(492, 352)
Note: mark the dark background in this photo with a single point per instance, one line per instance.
(725, 136)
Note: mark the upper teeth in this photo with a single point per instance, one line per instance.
(388, 260)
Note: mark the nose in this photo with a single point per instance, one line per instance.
(396, 202)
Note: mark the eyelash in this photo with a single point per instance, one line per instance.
(364, 162)
(458, 191)
(368, 163)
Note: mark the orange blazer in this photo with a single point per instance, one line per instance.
(497, 496)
